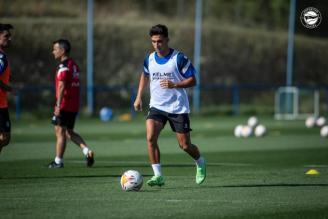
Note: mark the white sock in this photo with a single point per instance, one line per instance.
(200, 161)
(157, 169)
(58, 160)
(85, 151)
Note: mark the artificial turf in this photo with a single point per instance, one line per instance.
(246, 178)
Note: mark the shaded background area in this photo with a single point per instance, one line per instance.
(243, 42)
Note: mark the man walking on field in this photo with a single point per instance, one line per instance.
(169, 72)
(5, 125)
(67, 104)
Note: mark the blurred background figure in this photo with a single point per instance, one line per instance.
(5, 124)
(67, 105)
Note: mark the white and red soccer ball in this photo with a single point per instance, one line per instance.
(131, 180)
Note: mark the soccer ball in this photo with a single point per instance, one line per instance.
(310, 122)
(105, 114)
(320, 121)
(260, 130)
(131, 180)
(246, 131)
(237, 131)
(252, 121)
(324, 131)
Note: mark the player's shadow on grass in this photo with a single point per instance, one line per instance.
(138, 164)
(60, 177)
(266, 185)
(131, 165)
(106, 166)
(272, 185)
(204, 186)
(66, 176)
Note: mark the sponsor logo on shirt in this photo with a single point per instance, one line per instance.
(75, 72)
(75, 84)
(162, 75)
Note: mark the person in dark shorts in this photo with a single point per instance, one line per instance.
(5, 125)
(67, 85)
(169, 72)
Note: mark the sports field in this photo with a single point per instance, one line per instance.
(247, 178)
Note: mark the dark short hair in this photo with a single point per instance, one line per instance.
(159, 29)
(4, 27)
(64, 44)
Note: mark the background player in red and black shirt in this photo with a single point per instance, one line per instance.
(5, 125)
(67, 84)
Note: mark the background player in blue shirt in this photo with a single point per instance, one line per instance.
(168, 72)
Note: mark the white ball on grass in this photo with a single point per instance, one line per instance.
(252, 121)
(237, 131)
(246, 131)
(321, 121)
(324, 131)
(310, 122)
(260, 130)
(131, 180)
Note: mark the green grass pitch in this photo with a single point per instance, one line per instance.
(247, 178)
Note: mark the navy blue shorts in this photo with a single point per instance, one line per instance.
(179, 122)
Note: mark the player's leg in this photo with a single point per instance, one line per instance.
(181, 125)
(77, 139)
(59, 123)
(153, 129)
(5, 128)
(154, 124)
(185, 144)
(4, 139)
(60, 147)
(61, 141)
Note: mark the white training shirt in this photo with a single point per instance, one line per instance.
(175, 67)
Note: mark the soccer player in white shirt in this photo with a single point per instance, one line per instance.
(168, 72)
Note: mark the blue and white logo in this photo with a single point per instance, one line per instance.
(311, 17)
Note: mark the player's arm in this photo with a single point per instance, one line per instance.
(142, 84)
(9, 88)
(5, 87)
(189, 82)
(60, 95)
(187, 70)
(3, 66)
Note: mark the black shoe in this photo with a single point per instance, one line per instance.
(53, 164)
(90, 159)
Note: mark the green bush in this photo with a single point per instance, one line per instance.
(230, 55)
